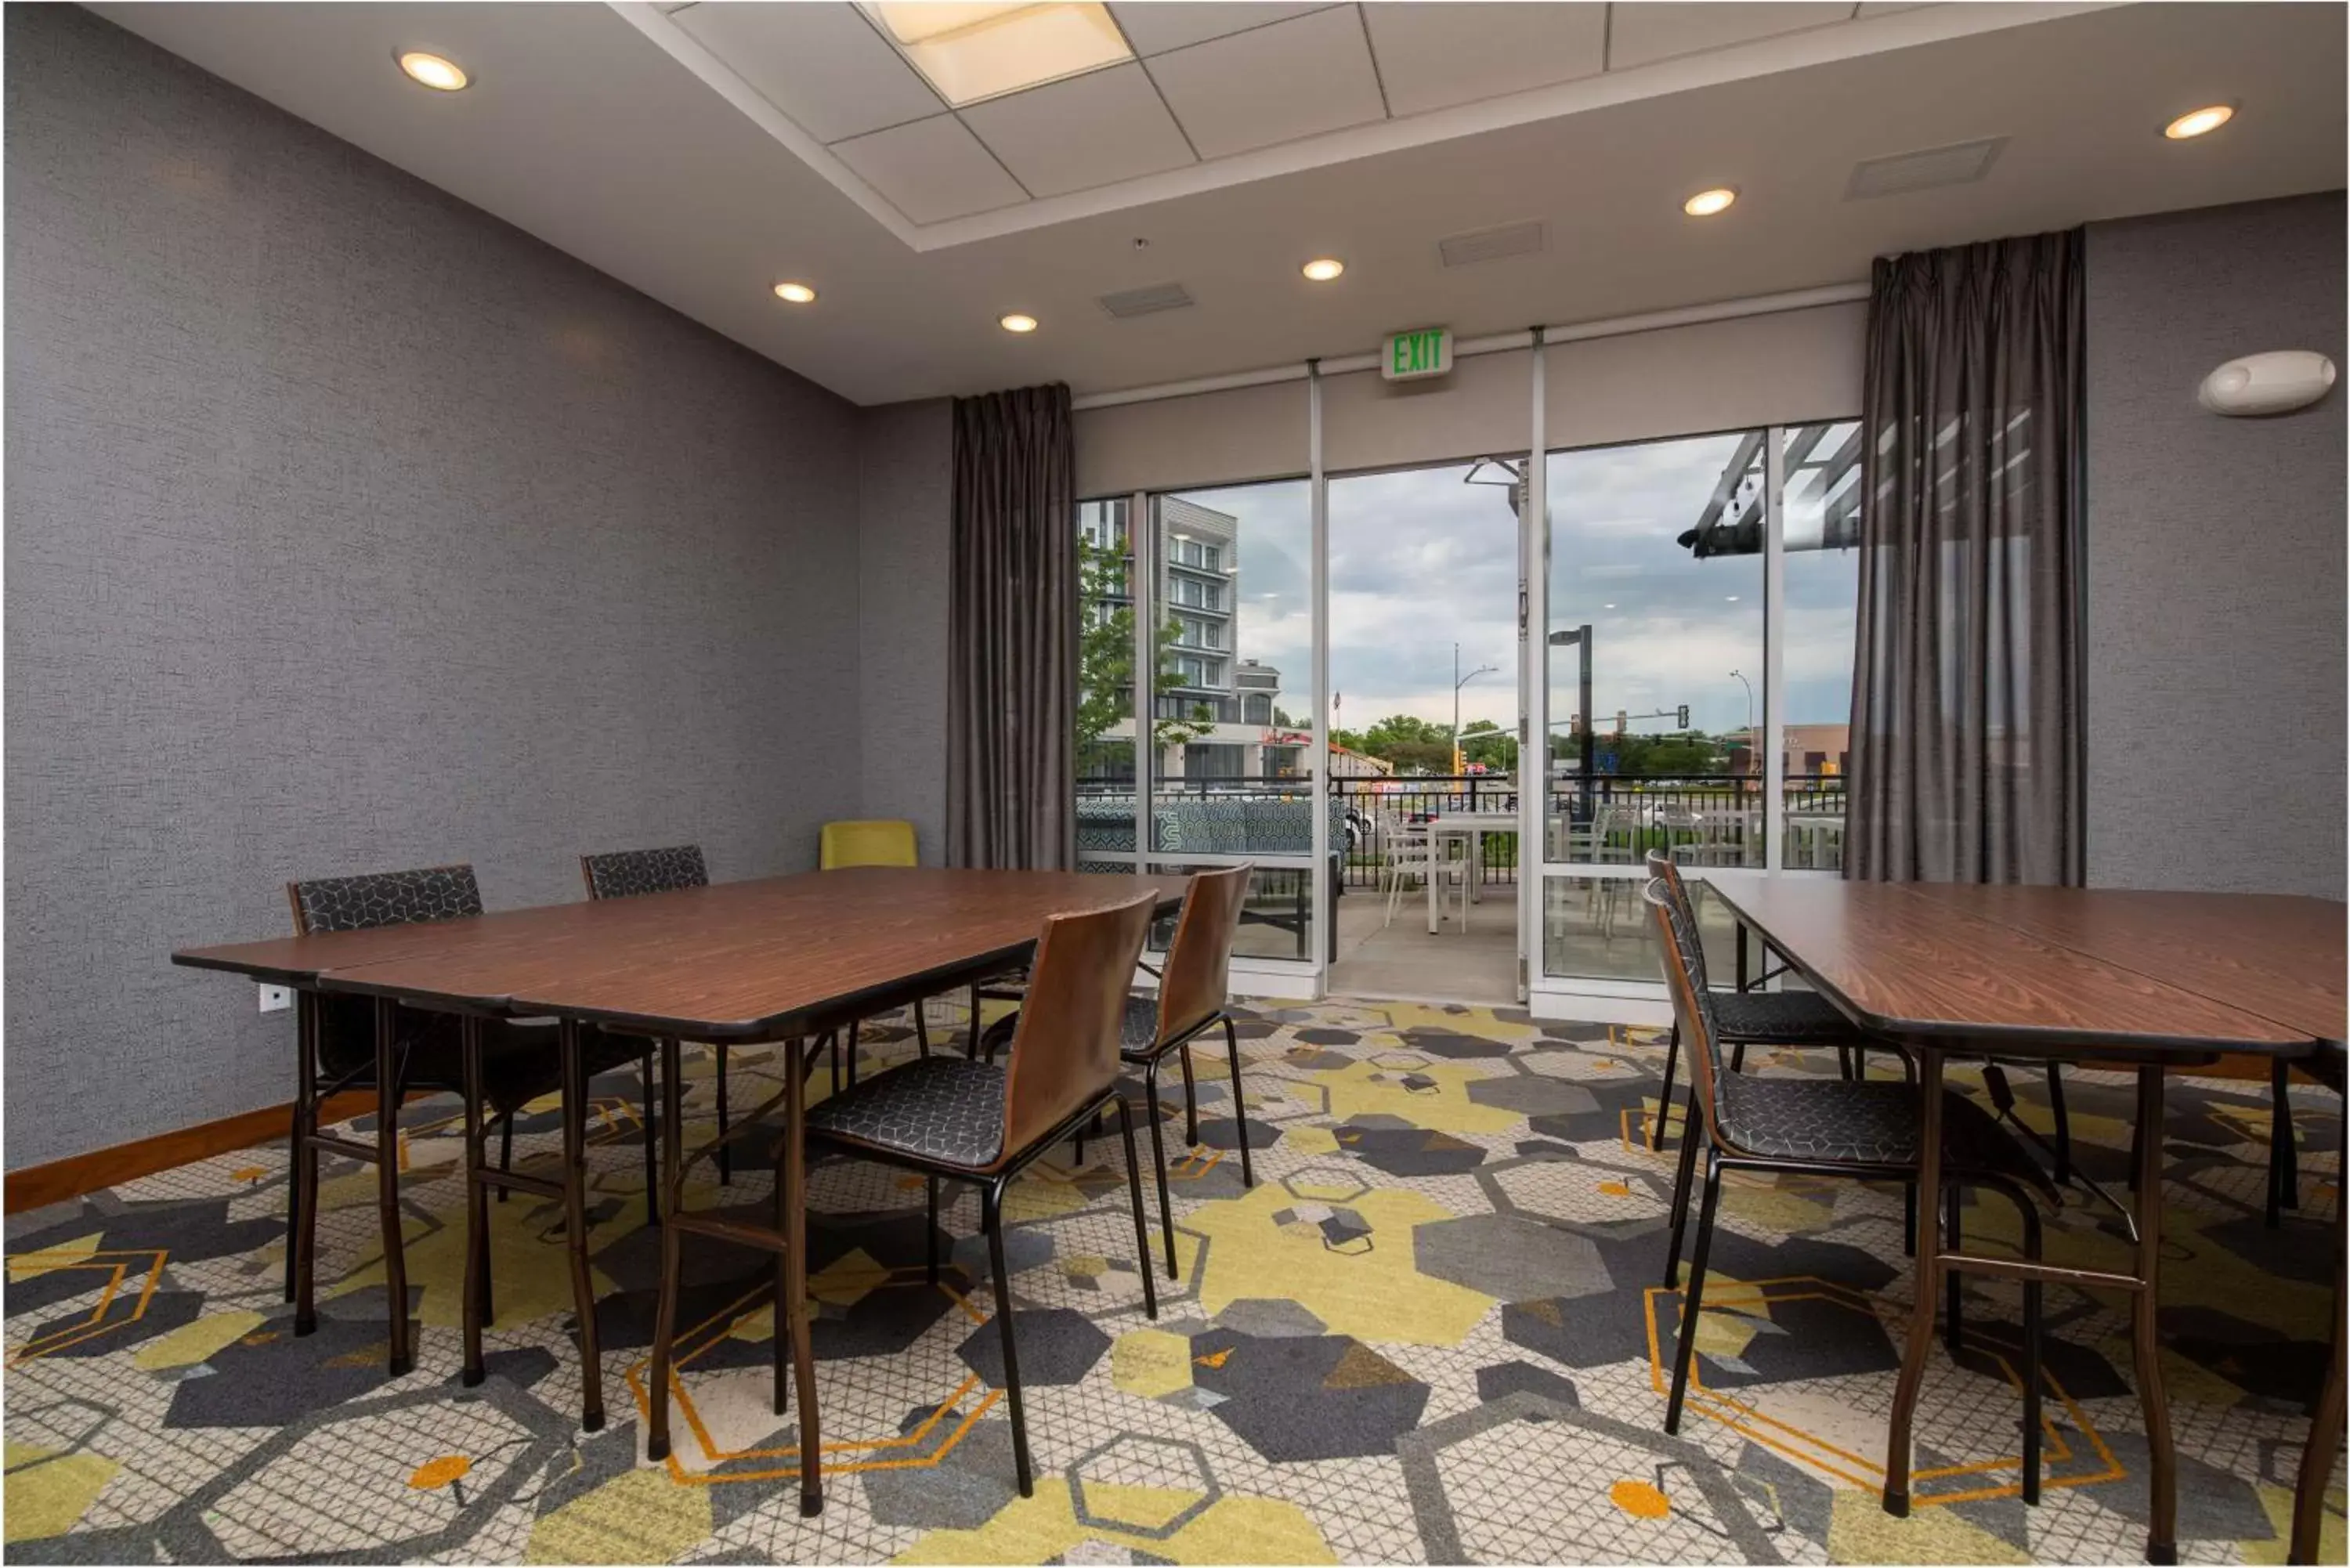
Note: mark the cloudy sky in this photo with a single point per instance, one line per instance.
(1421, 560)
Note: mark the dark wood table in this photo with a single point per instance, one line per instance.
(2151, 979)
(777, 959)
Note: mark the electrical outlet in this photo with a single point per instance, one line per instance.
(275, 998)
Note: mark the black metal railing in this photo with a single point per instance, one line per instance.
(1709, 819)
(1608, 819)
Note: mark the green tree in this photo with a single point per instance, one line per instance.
(1484, 741)
(1413, 745)
(1106, 660)
(1684, 755)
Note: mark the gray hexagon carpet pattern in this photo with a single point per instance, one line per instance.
(1432, 1331)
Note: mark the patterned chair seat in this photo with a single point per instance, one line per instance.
(944, 1108)
(1783, 1018)
(1840, 1121)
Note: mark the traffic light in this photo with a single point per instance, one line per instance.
(1684, 718)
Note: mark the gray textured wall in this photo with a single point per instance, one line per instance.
(905, 513)
(349, 528)
(2216, 644)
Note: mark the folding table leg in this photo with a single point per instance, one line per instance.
(792, 1169)
(1926, 1279)
(575, 1224)
(2162, 1458)
(477, 1211)
(302, 1086)
(302, 1245)
(665, 1315)
(386, 1180)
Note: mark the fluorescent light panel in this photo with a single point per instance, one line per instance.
(971, 52)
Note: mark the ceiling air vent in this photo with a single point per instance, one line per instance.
(1146, 301)
(1904, 172)
(1492, 244)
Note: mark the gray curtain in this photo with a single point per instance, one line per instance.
(1012, 633)
(1967, 688)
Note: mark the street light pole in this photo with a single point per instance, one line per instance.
(1459, 680)
(1753, 752)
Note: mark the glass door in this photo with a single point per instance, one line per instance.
(1425, 730)
(1656, 676)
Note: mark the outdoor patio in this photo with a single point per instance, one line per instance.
(1588, 936)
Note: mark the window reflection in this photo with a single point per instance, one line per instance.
(1656, 653)
(1232, 740)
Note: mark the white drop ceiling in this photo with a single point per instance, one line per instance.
(702, 151)
(1209, 82)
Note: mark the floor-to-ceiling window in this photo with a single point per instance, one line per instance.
(1197, 743)
(1686, 654)
(1106, 686)
(1234, 746)
(1656, 656)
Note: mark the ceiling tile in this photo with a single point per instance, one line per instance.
(1157, 25)
(1298, 77)
(1093, 129)
(820, 64)
(932, 170)
(1660, 30)
(1433, 54)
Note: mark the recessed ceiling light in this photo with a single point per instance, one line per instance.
(1730, 598)
(975, 49)
(442, 76)
(795, 293)
(1322, 269)
(1607, 606)
(2200, 121)
(1015, 322)
(1706, 203)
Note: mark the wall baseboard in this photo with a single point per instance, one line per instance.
(38, 1185)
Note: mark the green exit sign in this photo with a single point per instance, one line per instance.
(1422, 351)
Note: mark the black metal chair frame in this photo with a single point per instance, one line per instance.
(1719, 1160)
(652, 1181)
(1150, 1059)
(389, 1062)
(1721, 1156)
(993, 1184)
(1846, 1053)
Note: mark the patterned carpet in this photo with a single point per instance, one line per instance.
(1431, 1332)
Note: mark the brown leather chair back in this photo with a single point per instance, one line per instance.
(1676, 940)
(1661, 868)
(1197, 977)
(1065, 1048)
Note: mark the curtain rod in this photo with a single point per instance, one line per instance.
(1500, 342)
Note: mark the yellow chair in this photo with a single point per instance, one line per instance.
(880, 842)
(876, 843)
